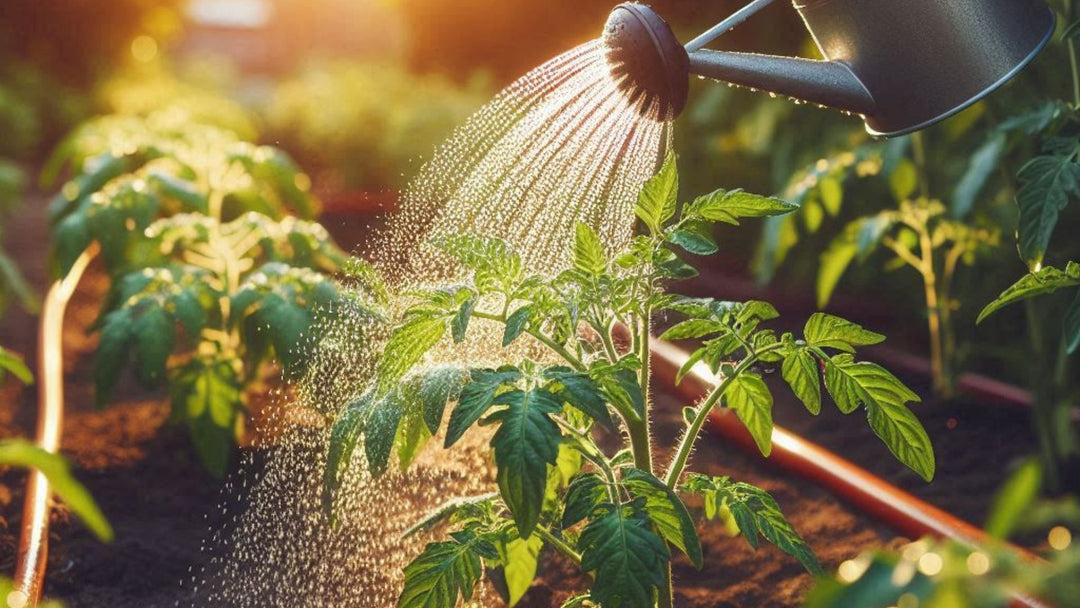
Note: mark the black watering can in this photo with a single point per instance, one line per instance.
(902, 64)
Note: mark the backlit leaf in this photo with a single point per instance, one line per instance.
(1046, 185)
(800, 370)
(477, 397)
(1046, 280)
(589, 256)
(444, 572)
(829, 331)
(750, 398)
(658, 197)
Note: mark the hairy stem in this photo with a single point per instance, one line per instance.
(574, 362)
(559, 544)
(686, 444)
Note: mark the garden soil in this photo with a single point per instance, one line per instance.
(162, 505)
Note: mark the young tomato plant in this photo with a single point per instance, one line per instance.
(616, 514)
(210, 274)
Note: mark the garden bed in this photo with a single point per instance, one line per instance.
(163, 504)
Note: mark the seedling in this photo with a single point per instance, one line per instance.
(616, 513)
(210, 275)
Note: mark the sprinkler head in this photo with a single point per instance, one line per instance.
(647, 60)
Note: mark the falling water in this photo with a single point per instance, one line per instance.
(561, 145)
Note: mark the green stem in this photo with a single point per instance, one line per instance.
(686, 444)
(640, 441)
(559, 544)
(559, 349)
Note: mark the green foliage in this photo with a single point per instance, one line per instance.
(755, 513)
(445, 571)
(19, 453)
(10, 363)
(612, 514)
(1045, 280)
(211, 277)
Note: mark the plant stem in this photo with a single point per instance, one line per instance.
(559, 544)
(640, 441)
(559, 349)
(686, 444)
(1070, 10)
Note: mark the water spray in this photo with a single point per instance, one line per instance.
(903, 66)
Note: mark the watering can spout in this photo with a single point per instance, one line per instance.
(902, 65)
(828, 83)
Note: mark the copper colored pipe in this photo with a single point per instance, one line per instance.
(34, 540)
(901, 511)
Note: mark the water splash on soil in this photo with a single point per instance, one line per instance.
(559, 146)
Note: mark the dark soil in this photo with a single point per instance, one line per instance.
(162, 504)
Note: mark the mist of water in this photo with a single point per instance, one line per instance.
(561, 145)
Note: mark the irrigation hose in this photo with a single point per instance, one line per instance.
(34, 539)
(901, 511)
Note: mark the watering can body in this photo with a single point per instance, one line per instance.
(903, 64)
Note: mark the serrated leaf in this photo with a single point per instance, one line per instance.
(477, 397)
(624, 391)
(207, 393)
(441, 574)
(852, 384)
(695, 237)
(344, 436)
(750, 398)
(521, 558)
(589, 256)
(439, 386)
(154, 337)
(1047, 280)
(800, 370)
(517, 323)
(580, 391)
(1046, 185)
(667, 512)
(731, 206)
(525, 444)
(694, 328)
(756, 513)
(584, 494)
(411, 438)
(408, 343)
(658, 198)
(381, 428)
(495, 263)
(628, 558)
(21, 453)
(829, 331)
(460, 323)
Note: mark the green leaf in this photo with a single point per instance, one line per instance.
(730, 206)
(477, 397)
(624, 392)
(381, 428)
(658, 198)
(832, 265)
(800, 370)
(827, 331)
(756, 513)
(525, 444)
(667, 512)
(695, 237)
(112, 354)
(287, 323)
(154, 334)
(495, 264)
(10, 362)
(408, 343)
(517, 323)
(207, 393)
(982, 165)
(1046, 280)
(853, 384)
(750, 398)
(17, 452)
(589, 256)
(1072, 325)
(442, 573)
(1013, 501)
(584, 495)
(694, 328)
(439, 386)
(1046, 184)
(903, 180)
(580, 391)
(344, 435)
(628, 558)
(460, 323)
(521, 556)
(412, 436)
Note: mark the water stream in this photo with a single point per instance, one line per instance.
(558, 146)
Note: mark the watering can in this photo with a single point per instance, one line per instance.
(901, 64)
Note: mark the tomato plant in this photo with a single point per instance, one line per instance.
(616, 514)
(210, 274)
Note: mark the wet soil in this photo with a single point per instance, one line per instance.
(162, 504)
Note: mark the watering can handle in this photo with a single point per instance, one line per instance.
(726, 25)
